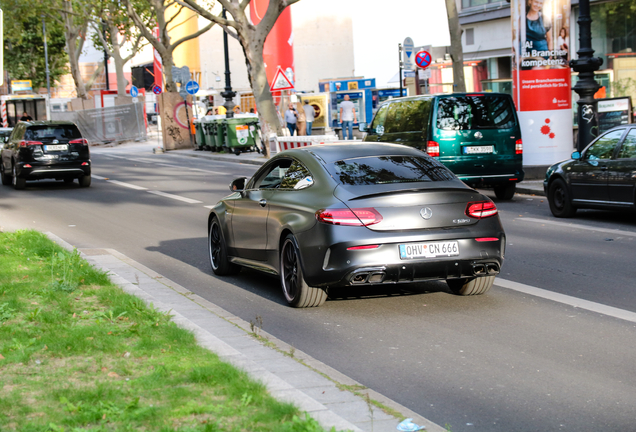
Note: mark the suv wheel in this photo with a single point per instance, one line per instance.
(6, 178)
(505, 192)
(18, 183)
(559, 199)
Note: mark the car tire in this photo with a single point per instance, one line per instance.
(18, 183)
(468, 287)
(505, 192)
(7, 179)
(85, 181)
(297, 293)
(559, 200)
(217, 251)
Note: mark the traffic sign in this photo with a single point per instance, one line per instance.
(192, 87)
(407, 54)
(281, 82)
(134, 91)
(156, 89)
(423, 59)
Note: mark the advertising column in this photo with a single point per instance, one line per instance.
(541, 78)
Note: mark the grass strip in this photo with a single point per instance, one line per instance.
(79, 354)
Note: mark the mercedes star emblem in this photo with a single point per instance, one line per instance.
(426, 213)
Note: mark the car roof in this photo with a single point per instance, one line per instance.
(49, 123)
(331, 152)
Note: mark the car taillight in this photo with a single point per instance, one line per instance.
(482, 209)
(25, 143)
(432, 148)
(365, 247)
(352, 217)
(519, 146)
(79, 141)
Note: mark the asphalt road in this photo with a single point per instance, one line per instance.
(505, 361)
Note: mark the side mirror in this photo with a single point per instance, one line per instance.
(362, 127)
(238, 184)
(576, 155)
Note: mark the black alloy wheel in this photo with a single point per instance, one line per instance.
(297, 292)
(18, 183)
(559, 200)
(218, 251)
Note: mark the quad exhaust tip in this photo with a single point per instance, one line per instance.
(486, 269)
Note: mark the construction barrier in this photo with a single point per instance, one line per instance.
(292, 142)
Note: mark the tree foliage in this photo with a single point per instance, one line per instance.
(24, 43)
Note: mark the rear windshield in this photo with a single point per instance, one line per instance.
(475, 112)
(50, 133)
(389, 169)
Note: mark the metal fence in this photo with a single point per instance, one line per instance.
(110, 124)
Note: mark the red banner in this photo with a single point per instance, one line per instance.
(157, 64)
(545, 89)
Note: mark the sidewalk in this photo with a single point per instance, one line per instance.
(290, 375)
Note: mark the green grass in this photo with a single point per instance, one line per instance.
(79, 354)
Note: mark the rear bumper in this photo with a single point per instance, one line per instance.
(492, 180)
(58, 170)
(328, 263)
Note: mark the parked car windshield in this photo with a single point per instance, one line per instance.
(475, 112)
(49, 133)
(389, 169)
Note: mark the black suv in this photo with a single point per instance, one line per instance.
(45, 149)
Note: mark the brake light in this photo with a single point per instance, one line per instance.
(24, 143)
(351, 217)
(432, 148)
(481, 210)
(519, 146)
(486, 239)
(79, 141)
(475, 94)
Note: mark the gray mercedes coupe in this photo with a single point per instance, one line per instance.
(336, 215)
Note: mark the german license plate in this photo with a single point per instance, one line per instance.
(57, 147)
(479, 149)
(428, 250)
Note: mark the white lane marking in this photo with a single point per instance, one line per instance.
(166, 165)
(98, 177)
(209, 207)
(568, 300)
(209, 171)
(128, 185)
(176, 197)
(573, 226)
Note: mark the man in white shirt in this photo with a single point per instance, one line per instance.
(310, 115)
(347, 117)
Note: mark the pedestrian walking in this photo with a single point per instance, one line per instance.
(301, 130)
(347, 117)
(291, 119)
(310, 116)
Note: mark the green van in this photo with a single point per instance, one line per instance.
(476, 135)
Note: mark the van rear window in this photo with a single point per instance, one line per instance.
(475, 112)
(389, 169)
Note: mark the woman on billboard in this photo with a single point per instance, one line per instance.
(538, 28)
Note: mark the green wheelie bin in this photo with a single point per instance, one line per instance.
(242, 133)
(209, 133)
(199, 134)
(219, 131)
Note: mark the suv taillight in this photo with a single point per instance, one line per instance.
(481, 210)
(79, 141)
(25, 143)
(352, 217)
(519, 146)
(432, 148)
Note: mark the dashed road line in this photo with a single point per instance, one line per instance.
(128, 185)
(175, 197)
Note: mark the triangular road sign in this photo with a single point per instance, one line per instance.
(281, 82)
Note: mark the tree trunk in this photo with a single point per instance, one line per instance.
(71, 49)
(457, 53)
(122, 82)
(168, 63)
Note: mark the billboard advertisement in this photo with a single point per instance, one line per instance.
(541, 78)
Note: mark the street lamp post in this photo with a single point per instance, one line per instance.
(228, 94)
(586, 86)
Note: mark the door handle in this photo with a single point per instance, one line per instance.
(262, 202)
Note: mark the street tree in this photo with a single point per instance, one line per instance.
(116, 32)
(252, 39)
(456, 51)
(24, 43)
(164, 45)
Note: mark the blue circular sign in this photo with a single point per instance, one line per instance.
(423, 59)
(134, 91)
(192, 87)
(156, 89)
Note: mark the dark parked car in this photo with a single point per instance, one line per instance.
(602, 176)
(337, 215)
(45, 149)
